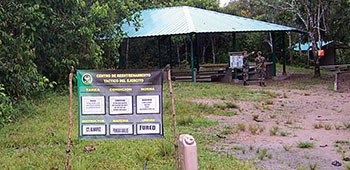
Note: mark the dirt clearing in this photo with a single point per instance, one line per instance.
(302, 128)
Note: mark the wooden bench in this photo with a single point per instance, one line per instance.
(206, 73)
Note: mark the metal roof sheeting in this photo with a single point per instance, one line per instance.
(307, 46)
(186, 20)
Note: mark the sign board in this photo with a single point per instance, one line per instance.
(320, 53)
(120, 104)
(236, 59)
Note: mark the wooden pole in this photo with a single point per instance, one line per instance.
(174, 117)
(336, 80)
(69, 140)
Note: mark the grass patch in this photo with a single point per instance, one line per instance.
(226, 106)
(283, 133)
(347, 166)
(346, 125)
(255, 129)
(269, 102)
(296, 69)
(337, 127)
(289, 121)
(287, 148)
(263, 153)
(272, 116)
(318, 125)
(38, 141)
(305, 145)
(307, 84)
(227, 130)
(313, 166)
(274, 130)
(255, 116)
(241, 127)
(328, 127)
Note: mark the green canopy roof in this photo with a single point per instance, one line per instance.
(186, 20)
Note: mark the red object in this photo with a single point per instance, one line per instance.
(321, 53)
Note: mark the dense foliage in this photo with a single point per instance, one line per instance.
(40, 40)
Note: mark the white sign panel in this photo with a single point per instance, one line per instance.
(148, 128)
(94, 130)
(236, 61)
(148, 104)
(93, 105)
(120, 105)
(121, 129)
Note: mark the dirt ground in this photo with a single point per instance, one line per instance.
(296, 113)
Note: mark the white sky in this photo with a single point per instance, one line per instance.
(224, 2)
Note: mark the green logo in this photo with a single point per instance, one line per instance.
(86, 78)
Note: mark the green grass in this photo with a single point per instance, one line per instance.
(227, 130)
(295, 69)
(305, 84)
(308, 84)
(287, 148)
(38, 141)
(305, 145)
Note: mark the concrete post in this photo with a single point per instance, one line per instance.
(188, 152)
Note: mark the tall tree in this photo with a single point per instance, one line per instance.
(313, 16)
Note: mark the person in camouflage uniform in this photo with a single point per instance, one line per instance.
(246, 67)
(260, 68)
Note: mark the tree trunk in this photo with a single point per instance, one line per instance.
(290, 48)
(300, 52)
(317, 72)
(269, 41)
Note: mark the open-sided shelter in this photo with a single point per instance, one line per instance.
(329, 57)
(182, 20)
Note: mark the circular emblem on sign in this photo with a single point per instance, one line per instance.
(86, 78)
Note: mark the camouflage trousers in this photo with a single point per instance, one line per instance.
(261, 75)
(245, 74)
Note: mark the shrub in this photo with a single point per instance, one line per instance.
(7, 111)
(305, 145)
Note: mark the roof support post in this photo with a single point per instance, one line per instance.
(192, 62)
(159, 55)
(284, 53)
(170, 53)
(273, 54)
(234, 49)
(197, 51)
(234, 42)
